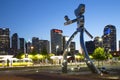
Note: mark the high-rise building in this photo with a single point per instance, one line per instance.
(109, 38)
(14, 43)
(22, 45)
(90, 46)
(72, 48)
(56, 41)
(44, 46)
(29, 47)
(65, 39)
(98, 42)
(35, 44)
(4, 41)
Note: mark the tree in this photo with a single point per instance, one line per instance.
(119, 58)
(20, 55)
(33, 53)
(44, 53)
(99, 54)
(79, 57)
(109, 56)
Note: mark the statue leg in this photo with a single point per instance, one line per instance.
(64, 63)
(86, 56)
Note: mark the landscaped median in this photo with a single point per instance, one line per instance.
(45, 67)
(16, 64)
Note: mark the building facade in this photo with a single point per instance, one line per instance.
(98, 42)
(90, 46)
(109, 38)
(44, 46)
(4, 41)
(22, 45)
(14, 41)
(56, 41)
(29, 47)
(65, 39)
(35, 44)
(72, 48)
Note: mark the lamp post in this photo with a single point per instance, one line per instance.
(31, 48)
(26, 55)
(100, 42)
(57, 46)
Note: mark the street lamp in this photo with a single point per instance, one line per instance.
(100, 40)
(31, 48)
(57, 49)
(66, 39)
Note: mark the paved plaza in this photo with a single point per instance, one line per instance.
(54, 73)
(47, 76)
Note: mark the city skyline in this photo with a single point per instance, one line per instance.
(31, 18)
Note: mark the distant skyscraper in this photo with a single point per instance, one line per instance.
(28, 47)
(14, 43)
(22, 45)
(35, 44)
(98, 42)
(4, 41)
(56, 41)
(109, 38)
(90, 46)
(72, 48)
(65, 39)
(44, 46)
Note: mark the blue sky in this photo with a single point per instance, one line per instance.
(35, 18)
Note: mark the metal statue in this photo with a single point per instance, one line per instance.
(80, 28)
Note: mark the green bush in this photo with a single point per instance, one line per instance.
(119, 58)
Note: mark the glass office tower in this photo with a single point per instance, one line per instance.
(4, 41)
(56, 41)
(109, 38)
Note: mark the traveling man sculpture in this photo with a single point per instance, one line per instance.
(80, 28)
